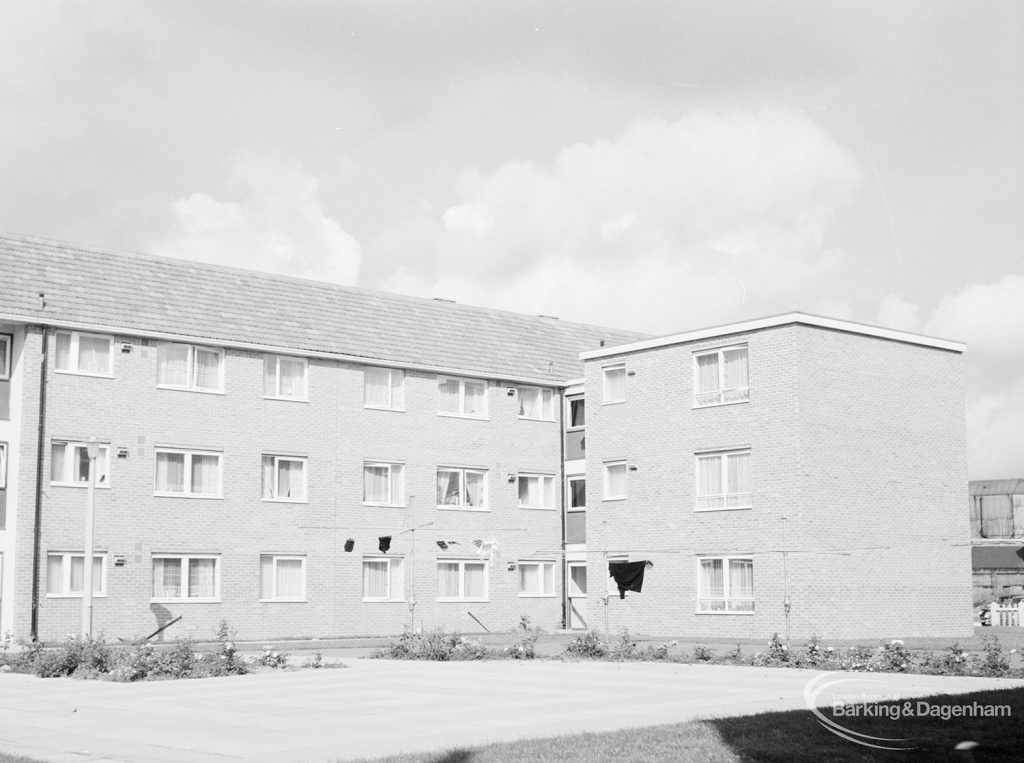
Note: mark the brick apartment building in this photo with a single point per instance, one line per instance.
(310, 460)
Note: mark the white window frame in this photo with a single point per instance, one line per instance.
(65, 582)
(608, 465)
(103, 457)
(569, 427)
(185, 560)
(462, 397)
(463, 471)
(722, 389)
(605, 372)
(73, 354)
(541, 563)
(275, 497)
(186, 492)
(302, 397)
(568, 491)
(550, 478)
(726, 494)
(6, 353)
(396, 573)
(462, 580)
(275, 558)
(3, 465)
(396, 483)
(547, 410)
(190, 372)
(395, 389)
(726, 598)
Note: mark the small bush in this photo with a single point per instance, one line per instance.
(624, 648)
(586, 646)
(702, 653)
(892, 658)
(526, 647)
(658, 653)
(433, 645)
(994, 663)
(271, 658)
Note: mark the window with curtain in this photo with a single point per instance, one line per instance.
(383, 579)
(461, 580)
(462, 488)
(536, 578)
(536, 403)
(462, 397)
(383, 484)
(577, 413)
(614, 390)
(615, 480)
(69, 464)
(577, 493)
(384, 388)
(65, 574)
(536, 491)
(188, 472)
(284, 377)
(725, 584)
(6, 344)
(186, 577)
(723, 480)
(282, 578)
(720, 376)
(81, 353)
(284, 478)
(188, 367)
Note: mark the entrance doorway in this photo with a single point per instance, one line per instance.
(577, 594)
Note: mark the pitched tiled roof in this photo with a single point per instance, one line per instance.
(141, 294)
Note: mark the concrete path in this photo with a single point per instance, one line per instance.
(378, 707)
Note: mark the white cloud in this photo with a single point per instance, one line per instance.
(276, 224)
(896, 313)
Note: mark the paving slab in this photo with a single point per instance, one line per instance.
(379, 707)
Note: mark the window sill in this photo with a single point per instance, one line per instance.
(385, 506)
(538, 508)
(190, 496)
(450, 415)
(73, 596)
(697, 406)
(99, 486)
(575, 509)
(457, 601)
(284, 601)
(285, 399)
(536, 596)
(383, 408)
(465, 508)
(613, 402)
(94, 374)
(185, 601)
(382, 601)
(533, 418)
(723, 508)
(191, 389)
(747, 613)
(284, 500)
(615, 498)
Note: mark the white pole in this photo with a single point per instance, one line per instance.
(92, 449)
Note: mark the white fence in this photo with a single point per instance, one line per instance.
(1010, 614)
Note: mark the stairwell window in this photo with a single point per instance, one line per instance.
(284, 478)
(720, 376)
(192, 577)
(536, 403)
(282, 578)
(725, 584)
(614, 388)
(284, 377)
(723, 480)
(462, 397)
(383, 579)
(80, 353)
(69, 464)
(384, 389)
(188, 473)
(6, 340)
(189, 367)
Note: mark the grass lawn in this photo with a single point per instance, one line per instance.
(785, 736)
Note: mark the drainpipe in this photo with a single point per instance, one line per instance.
(37, 533)
(561, 470)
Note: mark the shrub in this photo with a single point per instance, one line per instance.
(526, 647)
(702, 653)
(271, 658)
(86, 657)
(892, 658)
(624, 648)
(433, 645)
(586, 646)
(994, 663)
(658, 653)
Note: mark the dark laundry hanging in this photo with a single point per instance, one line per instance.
(385, 543)
(629, 576)
(442, 545)
(350, 544)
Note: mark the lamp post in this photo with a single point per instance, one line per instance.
(92, 448)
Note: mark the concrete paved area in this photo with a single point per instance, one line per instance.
(377, 707)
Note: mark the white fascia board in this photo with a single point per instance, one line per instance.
(772, 322)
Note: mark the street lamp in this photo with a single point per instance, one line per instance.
(92, 449)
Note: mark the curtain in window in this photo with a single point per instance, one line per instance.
(741, 584)
(712, 584)
(735, 374)
(529, 403)
(375, 580)
(376, 483)
(266, 577)
(474, 489)
(63, 356)
(397, 389)
(270, 375)
(447, 488)
(202, 578)
(93, 354)
(170, 472)
(448, 580)
(615, 384)
(166, 578)
(529, 578)
(97, 574)
(448, 391)
(290, 478)
(476, 393)
(738, 474)
(58, 466)
(77, 584)
(529, 491)
(55, 574)
(293, 375)
(204, 474)
(548, 485)
(172, 364)
(289, 579)
(476, 581)
(616, 479)
(269, 489)
(547, 578)
(397, 580)
(707, 379)
(578, 493)
(577, 413)
(377, 392)
(709, 482)
(207, 369)
(82, 464)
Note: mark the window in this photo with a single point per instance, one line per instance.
(69, 464)
(79, 353)
(284, 378)
(188, 472)
(577, 493)
(65, 574)
(462, 488)
(383, 484)
(723, 480)
(614, 384)
(282, 578)
(536, 578)
(6, 340)
(577, 413)
(383, 579)
(536, 491)
(186, 578)
(461, 580)
(284, 478)
(384, 388)
(185, 366)
(720, 377)
(536, 403)
(3, 467)
(462, 397)
(725, 584)
(614, 480)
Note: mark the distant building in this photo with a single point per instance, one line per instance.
(997, 538)
(303, 459)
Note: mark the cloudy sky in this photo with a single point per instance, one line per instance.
(659, 166)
